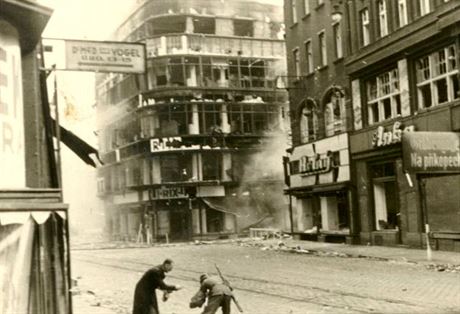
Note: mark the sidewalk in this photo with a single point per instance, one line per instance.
(439, 259)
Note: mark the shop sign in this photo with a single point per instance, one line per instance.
(167, 193)
(172, 143)
(384, 138)
(315, 164)
(431, 152)
(99, 56)
(12, 148)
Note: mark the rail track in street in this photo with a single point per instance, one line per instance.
(341, 300)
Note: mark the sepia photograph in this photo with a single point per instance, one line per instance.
(229, 156)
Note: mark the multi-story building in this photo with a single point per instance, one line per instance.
(181, 143)
(405, 78)
(320, 105)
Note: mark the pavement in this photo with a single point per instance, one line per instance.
(84, 301)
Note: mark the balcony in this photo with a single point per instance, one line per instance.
(214, 45)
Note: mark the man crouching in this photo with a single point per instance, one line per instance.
(217, 293)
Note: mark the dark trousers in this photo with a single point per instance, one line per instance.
(217, 301)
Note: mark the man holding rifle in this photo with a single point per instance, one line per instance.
(219, 294)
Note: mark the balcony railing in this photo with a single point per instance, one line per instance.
(214, 45)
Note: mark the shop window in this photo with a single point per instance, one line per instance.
(365, 27)
(214, 220)
(383, 23)
(204, 25)
(385, 192)
(334, 212)
(383, 97)
(335, 112)
(243, 28)
(212, 166)
(308, 121)
(437, 77)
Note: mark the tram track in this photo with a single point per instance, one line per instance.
(295, 292)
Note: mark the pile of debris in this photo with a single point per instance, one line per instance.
(448, 268)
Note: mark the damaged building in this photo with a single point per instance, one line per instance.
(185, 145)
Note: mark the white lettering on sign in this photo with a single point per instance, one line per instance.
(171, 143)
(12, 152)
(315, 164)
(105, 56)
(384, 138)
(167, 193)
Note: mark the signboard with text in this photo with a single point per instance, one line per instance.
(12, 148)
(431, 152)
(167, 193)
(105, 56)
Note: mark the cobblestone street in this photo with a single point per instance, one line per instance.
(266, 281)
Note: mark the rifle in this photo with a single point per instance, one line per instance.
(227, 283)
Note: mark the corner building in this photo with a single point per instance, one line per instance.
(404, 72)
(179, 143)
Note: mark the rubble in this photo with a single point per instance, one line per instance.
(448, 268)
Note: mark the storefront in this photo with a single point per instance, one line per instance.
(320, 191)
(434, 159)
(395, 198)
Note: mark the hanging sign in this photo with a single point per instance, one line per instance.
(118, 57)
(431, 152)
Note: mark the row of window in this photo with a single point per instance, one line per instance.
(437, 82)
(322, 51)
(180, 119)
(423, 7)
(305, 8)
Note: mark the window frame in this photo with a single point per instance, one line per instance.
(433, 67)
(306, 7)
(365, 27)
(293, 12)
(424, 7)
(322, 45)
(387, 87)
(338, 42)
(402, 13)
(309, 56)
(383, 18)
(296, 61)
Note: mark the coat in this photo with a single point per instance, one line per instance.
(145, 297)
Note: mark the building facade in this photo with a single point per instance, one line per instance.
(181, 143)
(34, 247)
(404, 73)
(320, 105)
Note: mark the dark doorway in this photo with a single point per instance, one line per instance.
(179, 225)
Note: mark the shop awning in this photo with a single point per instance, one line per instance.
(316, 189)
(13, 217)
(215, 205)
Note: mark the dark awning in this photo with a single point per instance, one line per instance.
(215, 205)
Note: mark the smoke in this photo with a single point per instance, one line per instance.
(259, 198)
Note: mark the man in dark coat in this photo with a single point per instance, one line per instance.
(145, 298)
(219, 295)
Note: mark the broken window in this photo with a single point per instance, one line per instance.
(176, 168)
(243, 28)
(204, 25)
(168, 25)
(212, 165)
